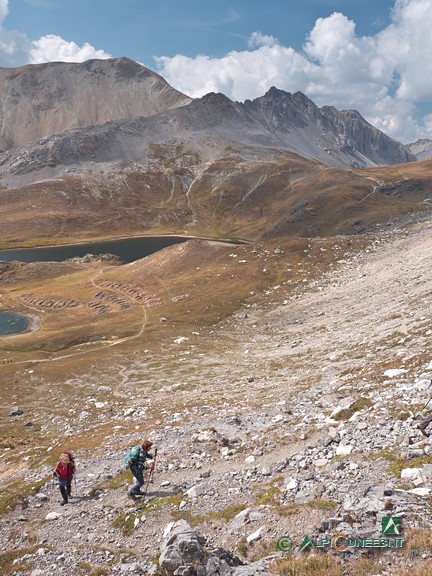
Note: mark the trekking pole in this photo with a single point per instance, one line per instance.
(430, 390)
(151, 471)
(426, 404)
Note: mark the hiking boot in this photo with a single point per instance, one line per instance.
(131, 496)
(140, 493)
(63, 502)
(423, 430)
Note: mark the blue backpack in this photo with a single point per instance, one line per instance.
(131, 456)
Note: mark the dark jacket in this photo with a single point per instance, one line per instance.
(138, 461)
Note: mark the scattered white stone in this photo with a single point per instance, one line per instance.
(395, 372)
(181, 340)
(420, 491)
(250, 459)
(240, 520)
(136, 522)
(411, 473)
(52, 516)
(167, 529)
(321, 462)
(254, 536)
(278, 418)
(41, 496)
(200, 490)
(330, 421)
(343, 449)
(291, 484)
(165, 483)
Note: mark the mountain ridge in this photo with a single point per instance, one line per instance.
(60, 97)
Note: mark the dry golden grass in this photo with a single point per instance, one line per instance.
(418, 541)
(230, 199)
(318, 565)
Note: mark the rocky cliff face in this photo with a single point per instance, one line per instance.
(422, 149)
(45, 99)
(333, 136)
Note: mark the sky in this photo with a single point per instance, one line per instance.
(374, 56)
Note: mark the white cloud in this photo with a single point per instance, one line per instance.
(53, 48)
(4, 10)
(239, 75)
(258, 39)
(382, 76)
(408, 44)
(16, 49)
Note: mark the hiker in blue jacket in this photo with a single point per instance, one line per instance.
(426, 421)
(136, 463)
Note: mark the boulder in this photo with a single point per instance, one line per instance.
(186, 552)
(200, 490)
(239, 521)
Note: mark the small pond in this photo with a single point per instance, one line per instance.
(12, 323)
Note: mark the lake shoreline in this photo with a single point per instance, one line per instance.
(234, 241)
(126, 249)
(33, 324)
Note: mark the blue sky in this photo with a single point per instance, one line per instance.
(142, 29)
(371, 55)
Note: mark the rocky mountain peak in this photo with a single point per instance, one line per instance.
(39, 100)
(326, 133)
(422, 149)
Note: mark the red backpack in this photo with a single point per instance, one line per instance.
(65, 466)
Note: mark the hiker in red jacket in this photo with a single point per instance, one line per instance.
(64, 471)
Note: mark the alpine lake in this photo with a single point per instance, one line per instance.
(127, 249)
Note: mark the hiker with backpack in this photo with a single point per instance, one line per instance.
(426, 421)
(135, 461)
(65, 470)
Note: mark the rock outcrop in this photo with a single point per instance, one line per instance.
(422, 149)
(186, 552)
(332, 136)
